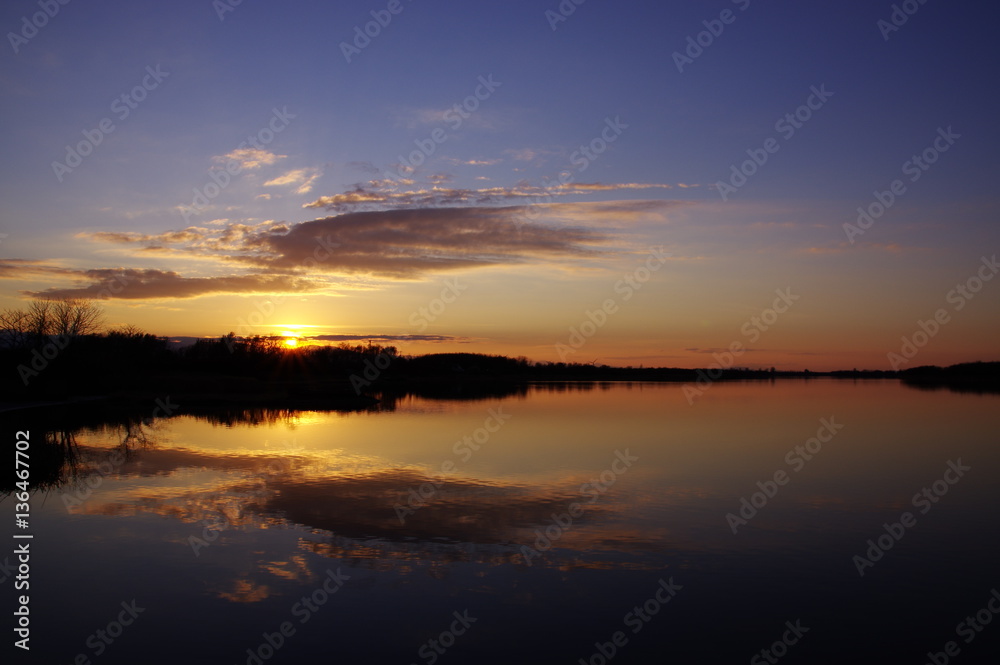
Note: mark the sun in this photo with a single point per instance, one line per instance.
(291, 338)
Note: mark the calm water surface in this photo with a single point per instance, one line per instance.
(529, 528)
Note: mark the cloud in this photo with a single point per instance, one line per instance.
(624, 214)
(581, 187)
(439, 178)
(30, 269)
(529, 154)
(249, 158)
(385, 338)
(845, 247)
(302, 179)
(454, 117)
(411, 118)
(366, 167)
(185, 235)
(225, 238)
(376, 194)
(408, 243)
(318, 255)
(473, 162)
(388, 243)
(522, 154)
(135, 284)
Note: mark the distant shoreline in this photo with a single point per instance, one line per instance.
(139, 371)
(186, 392)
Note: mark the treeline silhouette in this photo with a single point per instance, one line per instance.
(55, 350)
(53, 367)
(977, 377)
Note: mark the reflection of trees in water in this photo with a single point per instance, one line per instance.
(473, 391)
(51, 454)
(229, 416)
(969, 389)
(396, 556)
(253, 416)
(56, 458)
(85, 461)
(576, 386)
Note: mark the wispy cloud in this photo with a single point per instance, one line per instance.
(365, 167)
(487, 119)
(473, 162)
(150, 284)
(408, 243)
(224, 237)
(302, 179)
(535, 155)
(315, 256)
(249, 158)
(440, 178)
(385, 338)
(376, 194)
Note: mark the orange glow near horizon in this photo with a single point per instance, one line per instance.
(554, 316)
(291, 336)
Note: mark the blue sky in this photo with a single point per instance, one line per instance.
(681, 132)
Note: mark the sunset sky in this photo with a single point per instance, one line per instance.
(478, 176)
